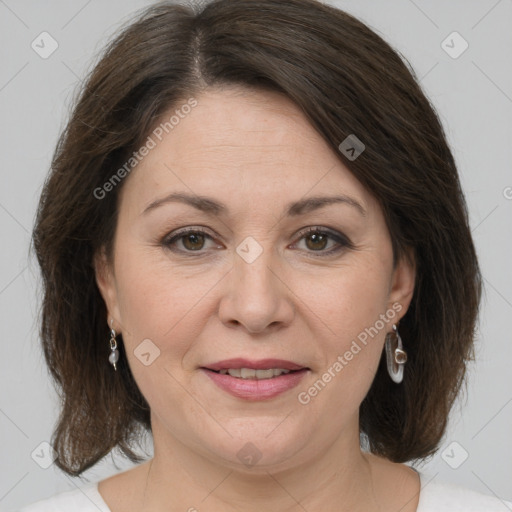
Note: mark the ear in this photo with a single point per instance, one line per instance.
(106, 282)
(403, 280)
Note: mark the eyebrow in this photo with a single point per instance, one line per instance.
(213, 207)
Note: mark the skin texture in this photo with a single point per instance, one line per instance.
(255, 152)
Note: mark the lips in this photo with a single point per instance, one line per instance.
(260, 364)
(256, 389)
(241, 383)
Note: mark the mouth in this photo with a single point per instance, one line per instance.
(255, 380)
(252, 373)
(254, 369)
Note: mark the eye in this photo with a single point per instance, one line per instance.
(317, 239)
(192, 240)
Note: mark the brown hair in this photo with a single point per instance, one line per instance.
(346, 80)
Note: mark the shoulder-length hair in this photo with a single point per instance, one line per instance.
(347, 80)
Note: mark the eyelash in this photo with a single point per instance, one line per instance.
(342, 241)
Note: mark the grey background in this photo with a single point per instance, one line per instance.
(473, 95)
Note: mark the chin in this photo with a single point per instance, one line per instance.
(259, 449)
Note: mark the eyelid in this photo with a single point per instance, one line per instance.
(341, 240)
(185, 231)
(181, 232)
(322, 229)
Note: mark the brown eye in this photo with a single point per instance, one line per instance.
(187, 241)
(317, 241)
(193, 241)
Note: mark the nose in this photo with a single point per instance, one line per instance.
(257, 296)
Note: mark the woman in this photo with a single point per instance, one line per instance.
(255, 247)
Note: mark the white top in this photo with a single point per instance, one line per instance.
(434, 497)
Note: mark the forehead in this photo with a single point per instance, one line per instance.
(244, 145)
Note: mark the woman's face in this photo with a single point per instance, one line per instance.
(249, 282)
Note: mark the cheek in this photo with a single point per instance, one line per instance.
(160, 315)
(350, 299)
(161, 302)
(355, 311)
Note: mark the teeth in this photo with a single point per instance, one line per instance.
(251, 373)
(246, 373)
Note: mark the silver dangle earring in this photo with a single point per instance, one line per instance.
(395, 355)
(114, 355)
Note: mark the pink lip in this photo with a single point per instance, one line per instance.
(253, 389)
(261, 364)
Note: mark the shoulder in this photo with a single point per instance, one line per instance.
(84, 499)
(437, 496)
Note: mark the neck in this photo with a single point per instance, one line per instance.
(339, 478)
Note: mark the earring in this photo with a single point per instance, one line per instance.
(114, 355)
(395, 355)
